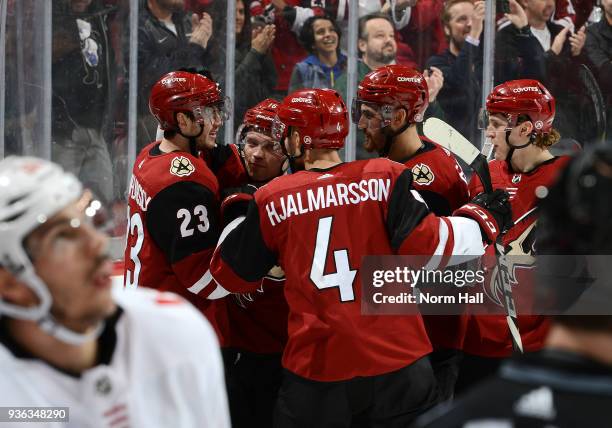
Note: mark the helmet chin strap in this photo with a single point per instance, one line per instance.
(193, 148)
(50, 326)
(292, 158)
(292, 164)
(513, 148)
(390, 135)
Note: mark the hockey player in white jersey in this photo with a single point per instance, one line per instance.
(114, 358)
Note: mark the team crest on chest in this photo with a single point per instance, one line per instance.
(181, 166)
(516, 178)
(422, 174)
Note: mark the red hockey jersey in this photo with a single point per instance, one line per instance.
(317, 225)
(438, 178)
(256, 322)
(488, 335)
(259, 323)
(441, 182)
(173, 224)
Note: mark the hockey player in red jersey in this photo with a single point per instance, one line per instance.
(437, 176)
(518, 119)
(173, 203)
(342, 367)
(254, 332)
(381, 95)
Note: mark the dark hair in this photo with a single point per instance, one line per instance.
(364, 20)
(307, 38)
(171, 133)
(244, 38)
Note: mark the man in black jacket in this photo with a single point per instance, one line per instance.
(168, 39)
(83, 70)
(461, 65)
(598, 47)
(534, 47)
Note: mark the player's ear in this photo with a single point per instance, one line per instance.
(526, 128)
(181, 119)
(399, 116)
(14, 291)
(294, 142)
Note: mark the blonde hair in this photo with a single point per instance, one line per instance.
(544, 141)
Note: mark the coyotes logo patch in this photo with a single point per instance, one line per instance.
(181, 166)
(422, 174)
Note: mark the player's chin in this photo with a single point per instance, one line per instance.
(499, 155)
(100, 309)
(209, 143)
(369, 144)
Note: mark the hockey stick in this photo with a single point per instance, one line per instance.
(594, 94)
(449, 138)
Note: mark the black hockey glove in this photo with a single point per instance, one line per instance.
(236, 202)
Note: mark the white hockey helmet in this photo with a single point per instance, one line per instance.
(32, 190)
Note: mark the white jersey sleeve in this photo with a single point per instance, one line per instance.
(165, 370)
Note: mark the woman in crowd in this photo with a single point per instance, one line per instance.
(320, 36)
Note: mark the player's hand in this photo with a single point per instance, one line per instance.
(236, 202)
(517, 15)
(201, 29)
(491, 211)
(557, 44)
(435, 80)
(577, 41)
(478, 19)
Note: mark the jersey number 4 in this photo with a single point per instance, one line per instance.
(344, 276)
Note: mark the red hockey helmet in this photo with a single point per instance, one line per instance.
(518, 97)
(181, 91)
(259, 119)
(319, 114)
(390, 87)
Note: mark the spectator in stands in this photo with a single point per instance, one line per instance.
(598, 47)
(518, 54)
(288, 16)
(83, 82)
(568, 13)
(419, 26)
(320, 36)
(461, 65)
(578, 11)
(256, 76)
(377, 47)
(168, 39)
(547, 52)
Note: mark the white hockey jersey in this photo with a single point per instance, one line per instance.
(165, 371)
